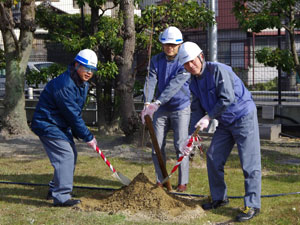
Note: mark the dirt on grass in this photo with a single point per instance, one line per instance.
(142, 199)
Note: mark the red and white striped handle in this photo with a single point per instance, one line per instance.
(105, 159)
(177, 164)
(189, 144)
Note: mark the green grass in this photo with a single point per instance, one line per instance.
(20, 204)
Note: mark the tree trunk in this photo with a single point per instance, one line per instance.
(292, 78)
(17, 52)
(129, 118)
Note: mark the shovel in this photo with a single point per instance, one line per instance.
(124, 180)
(181, 157)
(148, 121)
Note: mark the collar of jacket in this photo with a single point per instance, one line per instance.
(202, 71)
(168, 60)
(75, 77)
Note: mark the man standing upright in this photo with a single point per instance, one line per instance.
(172, 103)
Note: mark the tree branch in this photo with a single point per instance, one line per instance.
(7, 23)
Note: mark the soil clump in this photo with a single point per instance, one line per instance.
(142, 199)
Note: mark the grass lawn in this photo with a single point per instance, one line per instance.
(21, 204)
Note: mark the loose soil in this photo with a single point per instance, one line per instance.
(142, 199)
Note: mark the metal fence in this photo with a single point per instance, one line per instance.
(236, 48)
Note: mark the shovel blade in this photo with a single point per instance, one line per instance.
(166, 179)
(123, 179)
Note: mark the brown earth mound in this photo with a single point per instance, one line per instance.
(143, 199)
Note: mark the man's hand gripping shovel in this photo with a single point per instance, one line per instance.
(194, 140)
(123, 179)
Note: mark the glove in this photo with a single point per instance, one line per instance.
(93, 143)
(187, 146)
(203, 122)
(149, 110)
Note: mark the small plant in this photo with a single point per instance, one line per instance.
(34, 77)
(268, 86)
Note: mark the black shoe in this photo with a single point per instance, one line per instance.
(247, 214)
(49, 195)
(68, 203)
(215, 204)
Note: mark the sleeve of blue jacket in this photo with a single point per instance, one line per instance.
(174, 86)
(224, 91)
(170, 90)
(197, 113)
(71, 112)
(150, 84)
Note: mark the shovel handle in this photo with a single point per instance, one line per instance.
(196, 131)
(156, 147)
(105, 159)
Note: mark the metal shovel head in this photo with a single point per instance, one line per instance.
(166, 179)
(124, 180)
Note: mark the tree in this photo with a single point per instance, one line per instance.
(183, 14)
(97, 32)
(126, 78)
(272, 14)
(17, 52)
(116, 40)
(2, 60)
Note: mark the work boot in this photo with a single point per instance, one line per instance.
(215, 204)
(158, 184)
(247, 214)
(181, 188)
(50, 197)
(68, 203)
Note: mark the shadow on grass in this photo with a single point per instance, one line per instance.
(22, 195)
(271, 161)
(284, 178)
(226, 212)
(35, 196)
(44, 179)
(32, 189)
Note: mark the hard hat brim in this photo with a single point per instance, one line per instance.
(176, 42)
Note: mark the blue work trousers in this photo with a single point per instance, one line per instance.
(245, 133)
(63, 157)
(178, 121)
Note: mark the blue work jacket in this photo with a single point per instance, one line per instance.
(221, 93)
(171, 82)
(58, 112)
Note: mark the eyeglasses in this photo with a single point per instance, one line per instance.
(171, 45)
(87, 69)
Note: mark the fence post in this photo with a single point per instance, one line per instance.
(30, 93)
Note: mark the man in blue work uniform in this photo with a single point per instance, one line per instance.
(172, 105)
(219, 94)
(57, 118)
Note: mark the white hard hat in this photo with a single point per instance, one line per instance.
(171, 35)
(88, 58)
(188, 51)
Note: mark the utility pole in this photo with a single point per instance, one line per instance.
(212, 34)
(212, 37)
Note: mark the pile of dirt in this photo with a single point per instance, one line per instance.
(143, 199)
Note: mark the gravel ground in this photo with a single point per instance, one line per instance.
(115, 146)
